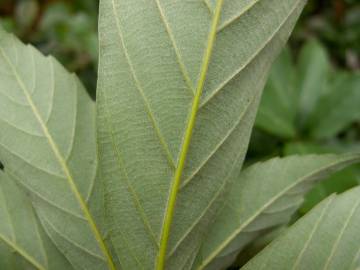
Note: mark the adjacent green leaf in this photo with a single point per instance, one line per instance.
(47, 144)
(23, 243)
(278, 108)
(326, 238)
(336, 183)
(313, 74)
(266, 195)
(179, 85)
(339, 108)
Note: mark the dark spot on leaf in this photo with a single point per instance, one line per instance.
(1, 166)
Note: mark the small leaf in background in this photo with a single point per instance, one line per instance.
(278, 107)
(338, 108)
(313, 71)
(326, 238)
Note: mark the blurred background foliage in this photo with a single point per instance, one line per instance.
(311, 103)
(66, 29)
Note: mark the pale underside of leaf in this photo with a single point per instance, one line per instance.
(313, 168)
(326, 238)
(27, 93)
(24, 237)
(165, 161)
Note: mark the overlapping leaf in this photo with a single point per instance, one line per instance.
(23, 243)
(158, 59)
(47, 144)
(265, 195)
(326, 238)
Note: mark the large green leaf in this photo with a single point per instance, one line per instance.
(326, 238)
(339, 108)
(23, 243)
(266, 195)
(47, 144)
(279, 104)
(179, 85)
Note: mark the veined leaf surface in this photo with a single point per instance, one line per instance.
(47, 144)
(326, 238)
(265, 195)
(179, 86)
(23, 243)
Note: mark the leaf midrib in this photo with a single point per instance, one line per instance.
(62, 163)
(170, 208)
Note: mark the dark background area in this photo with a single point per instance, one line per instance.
(336, 23)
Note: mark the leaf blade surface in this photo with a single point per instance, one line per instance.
(47, 145)
(144, 107)
(326, 238)
(265, 196)
(24, 243)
